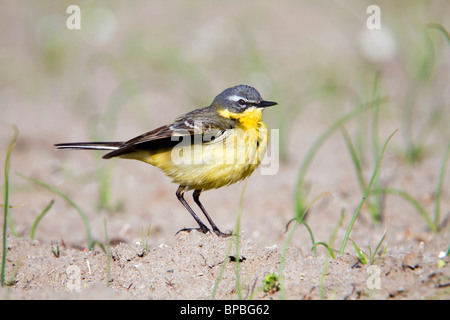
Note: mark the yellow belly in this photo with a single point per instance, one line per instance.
(211, 165)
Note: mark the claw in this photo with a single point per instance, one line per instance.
(203, 230)
(219, 233)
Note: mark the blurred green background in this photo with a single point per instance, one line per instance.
(134, 65)
(128, 56)
(144, 58)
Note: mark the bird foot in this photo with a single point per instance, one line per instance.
(221, 234)
(203, 230)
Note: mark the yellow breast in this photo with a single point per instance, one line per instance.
(250, 118)
(208, 165)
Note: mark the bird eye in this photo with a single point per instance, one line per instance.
(241, 102)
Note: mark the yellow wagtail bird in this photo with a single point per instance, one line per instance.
(220, 145)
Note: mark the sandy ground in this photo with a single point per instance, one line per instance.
(188, 265)
(65, 106)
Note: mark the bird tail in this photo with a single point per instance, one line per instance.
(89, 145)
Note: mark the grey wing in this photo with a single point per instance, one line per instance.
(168, 136)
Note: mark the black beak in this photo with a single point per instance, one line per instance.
(264, 104)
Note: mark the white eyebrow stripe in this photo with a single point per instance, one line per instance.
(236, 98)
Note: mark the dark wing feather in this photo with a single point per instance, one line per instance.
(161, 138)
(158, 138)
(156, 134)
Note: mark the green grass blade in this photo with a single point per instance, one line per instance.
(6, 200)
(283, 257)
(311, 235)
(234, 238)
(355, 159)
(373, 209)
(237, 235)
(297, 222)
(330, 250)
(372, 256)
(440, 28)
(83, 216)
(222, 269)
(366, 193)
(39, 218)
(327, 256)
(413, 202)
(11, 207)
(145, 243)
(361, 254)
(437, 203)
(376, 204)
(300, 199)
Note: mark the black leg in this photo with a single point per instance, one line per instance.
(180, 196)
(211, 222)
